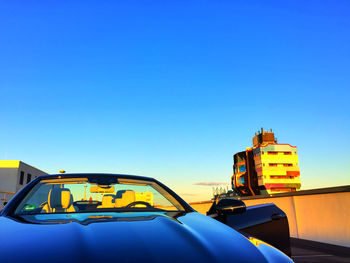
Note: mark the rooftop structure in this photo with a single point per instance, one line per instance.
(13, 176)
(264, 137)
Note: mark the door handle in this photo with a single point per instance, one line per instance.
(276, 216)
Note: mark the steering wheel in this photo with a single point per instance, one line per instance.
(139, 203)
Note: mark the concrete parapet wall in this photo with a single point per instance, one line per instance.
(202, 207)
(321, 215)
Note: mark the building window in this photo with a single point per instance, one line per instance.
(272, 153)
(272, 164)
(281, 177)
(287, 164)
(242, 169)
(287, 153)
(29, 178)
(21, 178)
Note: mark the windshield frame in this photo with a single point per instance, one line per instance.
(10, 208)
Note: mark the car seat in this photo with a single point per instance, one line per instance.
(60, 200)
(107, 201)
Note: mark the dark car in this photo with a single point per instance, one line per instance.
(117, 218)
(266, 222)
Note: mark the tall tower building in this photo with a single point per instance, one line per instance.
(266, 168)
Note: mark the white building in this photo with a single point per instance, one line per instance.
(13, 176)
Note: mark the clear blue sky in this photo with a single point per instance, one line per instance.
(172, 89)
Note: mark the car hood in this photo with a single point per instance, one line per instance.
(190, 237)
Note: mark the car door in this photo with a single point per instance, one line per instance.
(266, 222)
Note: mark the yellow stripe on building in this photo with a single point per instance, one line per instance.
(9, 164)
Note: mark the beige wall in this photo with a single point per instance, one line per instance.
(318, 217)
(201, 207)
(8, 179)
(324, 217)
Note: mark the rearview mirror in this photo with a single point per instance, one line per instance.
(230, 206)
(100, 189)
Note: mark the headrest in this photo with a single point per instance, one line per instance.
(120, 193)
(129, 196)
(60, 198)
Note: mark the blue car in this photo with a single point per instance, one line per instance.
(117, 218)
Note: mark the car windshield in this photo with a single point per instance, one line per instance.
(88, 194)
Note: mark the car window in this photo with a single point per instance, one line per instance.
(96, 193)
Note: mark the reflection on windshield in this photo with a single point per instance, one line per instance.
(88, 218)
(96, 194)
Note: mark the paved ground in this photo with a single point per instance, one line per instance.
(308, 255)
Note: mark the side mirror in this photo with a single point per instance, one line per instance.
(230, 206)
